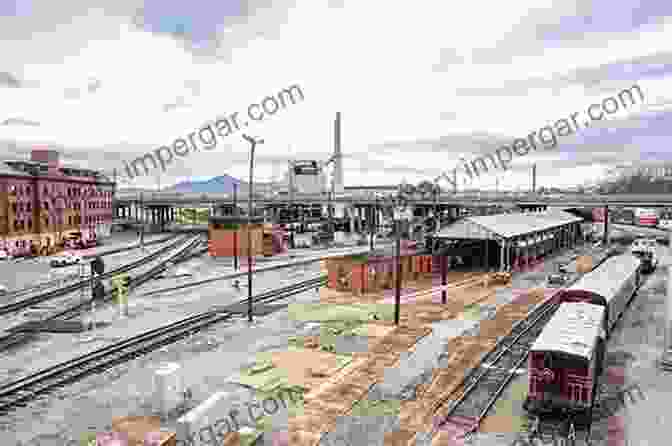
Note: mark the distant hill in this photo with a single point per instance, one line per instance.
(222, 184)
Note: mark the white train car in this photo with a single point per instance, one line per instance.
(611, 285)
(566, 360)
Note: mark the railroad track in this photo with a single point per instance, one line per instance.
(18, 393)
(17, 337)
(28, 302)
(70, 277)
(498, 367)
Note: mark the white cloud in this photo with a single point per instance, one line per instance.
(372, 60)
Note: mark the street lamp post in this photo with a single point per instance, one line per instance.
(253, 143)
(235, 233)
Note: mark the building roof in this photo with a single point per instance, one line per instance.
(573, 329)
(507, 225)
(6, 169)
(233, 219)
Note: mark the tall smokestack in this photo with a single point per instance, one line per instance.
(338, 161)
(534, 178)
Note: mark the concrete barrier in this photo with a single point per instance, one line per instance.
(210, 418)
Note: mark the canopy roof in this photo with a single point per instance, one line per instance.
(507, 225)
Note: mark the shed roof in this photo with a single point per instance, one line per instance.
(256, 219)
(507, 225)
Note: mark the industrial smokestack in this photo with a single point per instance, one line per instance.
(534, 178)
(338, 156)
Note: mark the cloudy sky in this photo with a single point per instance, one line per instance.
(419, 84)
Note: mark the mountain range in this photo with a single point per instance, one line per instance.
(222, 184)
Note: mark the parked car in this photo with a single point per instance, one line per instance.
(649, 263)
(65, 259)
(556, 279)
(3, 290)
(4, 255)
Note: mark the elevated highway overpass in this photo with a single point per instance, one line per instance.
(460, 200)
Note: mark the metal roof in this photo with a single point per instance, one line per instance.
(573, 329)
(6, 169)
(607, 280)
(507, 225)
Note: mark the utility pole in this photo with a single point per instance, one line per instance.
(235, 234)
(253, 143)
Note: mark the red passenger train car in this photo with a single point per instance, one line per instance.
(567, 359)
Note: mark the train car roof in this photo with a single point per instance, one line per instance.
(572, 330)
(607, 279)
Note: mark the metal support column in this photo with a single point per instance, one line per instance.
(444, 275)
(397, 291)
(606, 225)
(501, 254)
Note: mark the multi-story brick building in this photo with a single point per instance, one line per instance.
(45, 206)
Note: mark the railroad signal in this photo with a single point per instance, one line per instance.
(98, 291)
(121, 284)
(98, 266)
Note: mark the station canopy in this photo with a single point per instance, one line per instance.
(507, 225)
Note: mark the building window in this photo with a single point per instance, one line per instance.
(46, 190)
(28, 190)
(46, 206)
(69, 220)
(30, 224)
(14, 207)
(46, 221)
(29, 207)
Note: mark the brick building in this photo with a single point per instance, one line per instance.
(45, 206)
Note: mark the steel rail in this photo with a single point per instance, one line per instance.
(25, 303)
(537, 319)
(55, 282)
(17, 337)
(258, 270)
(543, 314)
(22, 390)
